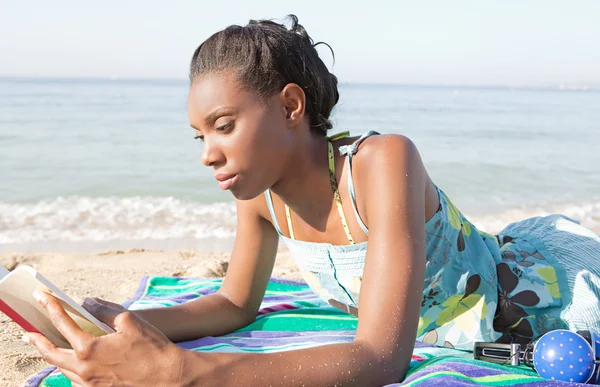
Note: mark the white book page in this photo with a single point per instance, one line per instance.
(76, 308)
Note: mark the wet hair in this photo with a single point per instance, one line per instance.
(267, 56)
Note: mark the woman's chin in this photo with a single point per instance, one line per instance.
(244, 194)
(248, 188)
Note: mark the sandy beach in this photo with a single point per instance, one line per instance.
(110, 275)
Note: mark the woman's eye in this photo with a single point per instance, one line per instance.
(225, 127)
(201, 138)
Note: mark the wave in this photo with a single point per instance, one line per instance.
(99, 219)
(113, 218)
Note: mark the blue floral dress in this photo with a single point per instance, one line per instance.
(536, 275)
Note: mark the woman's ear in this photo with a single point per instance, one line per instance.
(293, 100)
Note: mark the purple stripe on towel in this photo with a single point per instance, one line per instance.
(260, 339)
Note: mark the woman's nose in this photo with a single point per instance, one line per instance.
(210, 154)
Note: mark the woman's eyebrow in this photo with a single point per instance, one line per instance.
(216, 113)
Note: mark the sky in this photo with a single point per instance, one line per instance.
(479, 42)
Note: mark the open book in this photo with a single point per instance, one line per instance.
(17, 302)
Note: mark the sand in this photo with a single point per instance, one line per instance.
(111, 275)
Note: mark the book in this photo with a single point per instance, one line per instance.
(18, 303)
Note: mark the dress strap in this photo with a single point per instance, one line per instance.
(272, 210)
(288, 216)
(334, 187)
(336, 192)
(338, 136)
(351, 150)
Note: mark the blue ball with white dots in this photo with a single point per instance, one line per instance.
(564, 355)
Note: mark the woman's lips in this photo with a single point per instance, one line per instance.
(226, 181)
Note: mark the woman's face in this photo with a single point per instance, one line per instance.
(246, 140)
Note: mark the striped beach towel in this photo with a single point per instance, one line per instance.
(292, 317)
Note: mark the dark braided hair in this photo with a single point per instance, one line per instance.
(267, 56)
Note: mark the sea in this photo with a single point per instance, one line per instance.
(97, 164)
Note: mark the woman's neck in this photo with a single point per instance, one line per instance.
(305, 183)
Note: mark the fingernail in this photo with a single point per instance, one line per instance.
(38, 295)
(89, 302)
(91, 305)
(26, 339)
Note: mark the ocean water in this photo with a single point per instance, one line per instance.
(100, 164)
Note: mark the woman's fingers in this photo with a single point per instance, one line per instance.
(75, 380)
(62, 358)
(62, 321)
(104, 311)
(138, 352)
(108, 303)
(91, 303)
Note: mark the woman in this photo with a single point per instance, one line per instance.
(361, 216)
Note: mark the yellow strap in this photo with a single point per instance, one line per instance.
(338, 136)
(336, 192)
(334, 187)
(289, 221)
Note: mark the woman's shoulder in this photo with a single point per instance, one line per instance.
(392, 160)
(387, 151)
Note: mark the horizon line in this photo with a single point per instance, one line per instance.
(579, 86)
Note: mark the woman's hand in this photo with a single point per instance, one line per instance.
(136, 355)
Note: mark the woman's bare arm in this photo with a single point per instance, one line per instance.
(237, 301)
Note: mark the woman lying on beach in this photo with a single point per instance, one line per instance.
(371, 232)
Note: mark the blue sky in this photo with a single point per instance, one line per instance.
(426, 42)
